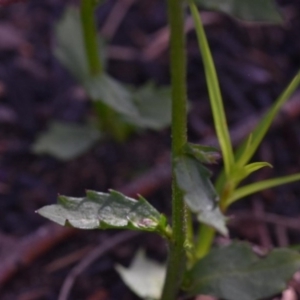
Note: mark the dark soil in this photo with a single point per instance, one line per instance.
(254, 63)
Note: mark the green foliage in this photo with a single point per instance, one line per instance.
(154, 107)
(249, 10)
(70, 45)
(214, 92)
(204, 154)
(144, 276)
(246, 151)
(234, 272)
(146, 107)
(255, 187)
(103, 211)
(118, 108)
(111, 92)
(199, 193)
(66, 141)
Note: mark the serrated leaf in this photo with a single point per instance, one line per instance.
(101, 211)
(66, 141)
(234, 272)
(144, 277)
(154, 106)
(248, 10)
(204, 154)
(199, 194)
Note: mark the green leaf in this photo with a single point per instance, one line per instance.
(246, 151)
(234, 272)
(101, 211)
(69, 48)
(214, 92)
(248, 10)
(243, 172)
(205, 154)
(261, 185)
(71, 53)
(144, 277)
(250, 168)
(111, 92)
(66, 141)
(199, 194)
(154, 106)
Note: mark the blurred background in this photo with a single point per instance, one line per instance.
(45, 113)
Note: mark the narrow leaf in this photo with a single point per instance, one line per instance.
(243, 156)
(244, 172)
(214, 92)
(234, 272)
(101, 211)
(66, 141)
(199, 193)
(144, 277)
(262, 185)
(204, 154)
(248, 10)
(250, 168)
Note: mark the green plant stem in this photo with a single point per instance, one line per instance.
(204, 242)
(90, 36)
(108, 118)
(176, 261)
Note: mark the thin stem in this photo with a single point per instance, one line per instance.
(204, 242)
(108, 119)
(90, 36)
(176, 260)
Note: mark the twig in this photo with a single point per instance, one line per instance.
(291, 223)
(161, 41)
(93, 256)
(8, 2)
(31, 247)
(282, 236)
(158, 43)
(263, 232)
(116, 17)
(68, 259)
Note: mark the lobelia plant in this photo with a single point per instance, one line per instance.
(232, 272)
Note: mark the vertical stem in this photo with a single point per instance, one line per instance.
(108, 118)
(204, 241)
(90, 36)
(176, 260)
